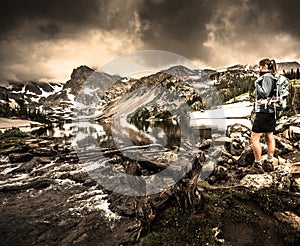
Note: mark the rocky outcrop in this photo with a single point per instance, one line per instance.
(235, 166)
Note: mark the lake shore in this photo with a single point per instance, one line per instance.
(24, 125)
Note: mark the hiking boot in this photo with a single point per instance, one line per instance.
(258, 167)
(268, 165)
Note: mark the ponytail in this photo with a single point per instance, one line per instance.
(273, 66)
(270, 63)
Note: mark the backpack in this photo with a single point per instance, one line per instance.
(281, 92)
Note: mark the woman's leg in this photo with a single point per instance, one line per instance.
(271, 143)
(256, 145)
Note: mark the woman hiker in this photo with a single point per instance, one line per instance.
(265, 120)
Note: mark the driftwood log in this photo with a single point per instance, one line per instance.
(185, 192)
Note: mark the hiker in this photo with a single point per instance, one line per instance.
(265, 119)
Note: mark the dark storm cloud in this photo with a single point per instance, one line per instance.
(14, 13)
(268, 16)
(175, 25)
(287, 18)
(62, 17)
(254, 28)
(183, 26)
(50, 28)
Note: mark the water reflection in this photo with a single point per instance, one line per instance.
(60, 129)
(166, 133)
(164, 129)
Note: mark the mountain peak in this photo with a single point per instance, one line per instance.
(82, 71)
(180, 70)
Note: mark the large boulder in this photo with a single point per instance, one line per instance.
(279, 179)
(17, 157)
(240, 136)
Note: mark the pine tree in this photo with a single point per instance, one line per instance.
(22, 112)
(6, 108)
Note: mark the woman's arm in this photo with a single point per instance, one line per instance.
(266, 86)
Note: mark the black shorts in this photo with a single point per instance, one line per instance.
(264, 122)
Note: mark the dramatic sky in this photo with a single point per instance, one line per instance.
(46, 39)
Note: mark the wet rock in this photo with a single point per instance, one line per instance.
(44, 160)
(24, 157)
(44, 151)
(44, 143)
(89, 182)
(26, 167)
(79, 177)
(18, 148)
(35, 184)
(7, 151)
